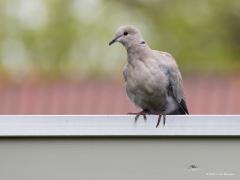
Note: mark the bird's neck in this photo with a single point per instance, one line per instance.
(137, 51)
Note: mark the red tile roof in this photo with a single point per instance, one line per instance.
(204, 96)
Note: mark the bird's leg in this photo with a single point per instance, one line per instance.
(159, 120)
(164, 119)
(145, 117)
(143, 112)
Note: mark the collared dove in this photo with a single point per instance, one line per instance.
(152, 78)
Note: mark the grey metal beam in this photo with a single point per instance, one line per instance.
(118, 125)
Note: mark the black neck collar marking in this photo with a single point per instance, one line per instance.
(143, 42)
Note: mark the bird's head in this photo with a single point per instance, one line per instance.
(127, 35)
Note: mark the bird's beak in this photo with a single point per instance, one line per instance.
(114, 40)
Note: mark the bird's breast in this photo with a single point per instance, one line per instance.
(145, 76)
(145, 84)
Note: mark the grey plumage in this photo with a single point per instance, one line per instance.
(152, 78)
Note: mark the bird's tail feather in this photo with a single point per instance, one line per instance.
(182, 109)
(178, 111)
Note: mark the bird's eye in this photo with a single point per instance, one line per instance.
(125, 33)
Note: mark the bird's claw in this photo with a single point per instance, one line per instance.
(164, 119)
(136, 118)
(138, 115)
(159, 119)
(145, 117)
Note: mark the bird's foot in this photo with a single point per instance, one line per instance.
(159, 119)
(143, 112)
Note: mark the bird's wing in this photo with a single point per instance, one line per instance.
(175, 86)
(176, 94)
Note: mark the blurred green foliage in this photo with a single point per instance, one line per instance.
(68, 39)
